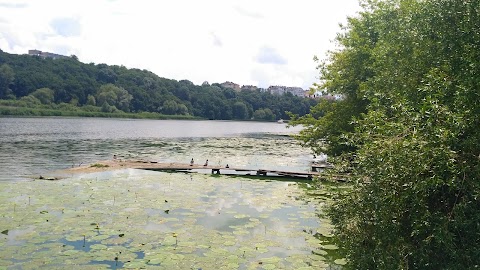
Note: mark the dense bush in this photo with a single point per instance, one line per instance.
(407, 131)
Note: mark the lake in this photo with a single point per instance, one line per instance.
(133, 219)
(35, 146)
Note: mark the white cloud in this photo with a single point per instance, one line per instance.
(210, 40)
(216, 40)
(12, 5)
(268, 55)
(66, 27)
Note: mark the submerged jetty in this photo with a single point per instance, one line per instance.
(108, 165)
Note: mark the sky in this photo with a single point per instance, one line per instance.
(248, 42)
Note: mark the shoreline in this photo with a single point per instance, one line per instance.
(12, 111)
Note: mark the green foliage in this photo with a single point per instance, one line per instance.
(44, 95)
(106, 107)
(30, 101)
(111, 97)
(65, 109)
(344, 74)
(171, 107)
(91, 100)
(98, 165)
(264, 115)
(134, 90)
(407, 131)
(7, 76)
(240, 110)
(326, 126)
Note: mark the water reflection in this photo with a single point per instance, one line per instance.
(242, 221)
(212, 221)
(35, 146)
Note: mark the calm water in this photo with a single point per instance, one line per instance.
(34, 146)
(136, 219)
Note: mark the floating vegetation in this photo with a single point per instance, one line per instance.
(135, 219)
(98, 165)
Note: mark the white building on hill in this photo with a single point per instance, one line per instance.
(46, 54)
(280, 90)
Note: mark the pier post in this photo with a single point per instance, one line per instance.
(260, 172)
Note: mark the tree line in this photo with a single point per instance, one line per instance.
(34, 81)
(406, 132)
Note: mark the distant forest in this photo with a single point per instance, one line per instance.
(32, 81)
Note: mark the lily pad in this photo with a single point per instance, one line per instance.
(135, 265)
(269, 266)
(340, 261)
(70, 252)
(229, 228)
(330, 247)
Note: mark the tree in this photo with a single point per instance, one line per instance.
(45, 95)
(344, 73)
(106, 75)
(259, 115)
(264, 114)
(108, 108)
(408, 127)
(91, 100)
(269, 116)
(240, 110)
(7, 75)
(172, 107)
(114, 96)
(182, 109)
(105, 96)
(30, 101)
(169, 107)
(135, 90)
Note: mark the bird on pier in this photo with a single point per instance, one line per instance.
(206, 163)
(227, 166)
(191, 162)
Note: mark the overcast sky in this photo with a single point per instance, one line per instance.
(249, 42)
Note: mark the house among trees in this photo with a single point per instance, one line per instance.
(231, 85)
(46, 54)
(280, 90)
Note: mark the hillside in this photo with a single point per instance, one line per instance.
(32, 81)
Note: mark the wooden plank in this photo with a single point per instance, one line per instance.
(153, 165)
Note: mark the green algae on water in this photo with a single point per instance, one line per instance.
(118, 219)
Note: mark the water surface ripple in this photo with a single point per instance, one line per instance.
(36, 146)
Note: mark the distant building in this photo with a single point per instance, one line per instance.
(276, 90)
(296, 91)
(280, 90)
(46, 54)
(231, 85)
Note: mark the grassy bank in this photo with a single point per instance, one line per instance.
(25, 111)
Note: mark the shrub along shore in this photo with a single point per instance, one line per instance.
(25, 111)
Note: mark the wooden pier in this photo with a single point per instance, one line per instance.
(116, 164)
(154, 166)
